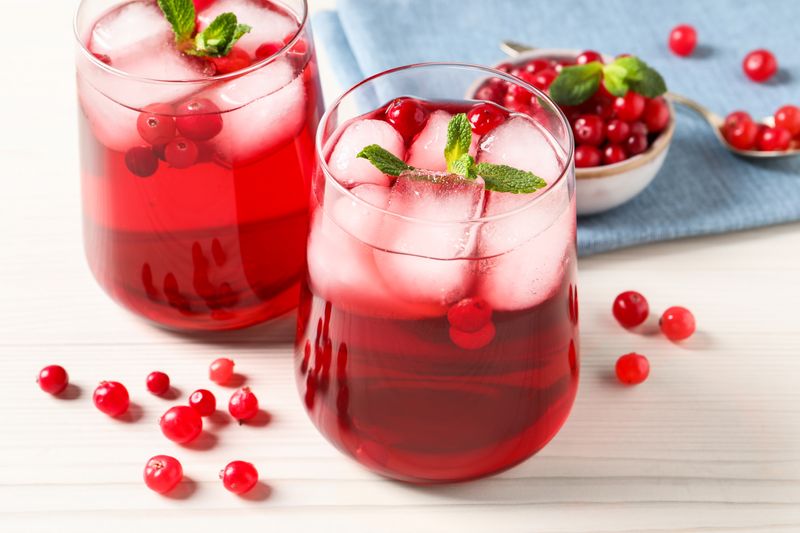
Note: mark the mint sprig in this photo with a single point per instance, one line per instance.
(216, 40)
(576, 84)
(499, 178)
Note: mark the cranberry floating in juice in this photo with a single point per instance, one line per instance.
(196, 155)
(438, 334)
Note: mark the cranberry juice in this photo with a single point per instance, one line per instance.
(195, 193)
(423, 363)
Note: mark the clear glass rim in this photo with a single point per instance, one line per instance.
(331, 181)
(209, 79)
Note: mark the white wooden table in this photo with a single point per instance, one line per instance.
(711, 442)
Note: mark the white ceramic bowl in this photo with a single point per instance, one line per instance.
(606, 187)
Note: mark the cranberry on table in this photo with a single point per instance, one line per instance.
(181, 153)
(243, 405)
(587, 56)
(141, 161)
(157, 383)
(162, 473)
(221, 370)
(470, 314)
(156, 124)
(656, 114)
(636, 144)
(677, 323)
(683, 39)
(239, 477)
(198, 119)
(589, 129)
(587, 156)
(111, 398)
(629, 107)
(237, 59)
(53, 379)
(407, 116)
(613, 153)
(773, 139)
(181, 424)
(483, 118)
(203, 401)
(617, 131)
(760, 65)
(632, 368)
(630, 308)
(788, 117)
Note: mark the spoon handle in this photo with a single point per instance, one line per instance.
(698, 108)
(513, 49)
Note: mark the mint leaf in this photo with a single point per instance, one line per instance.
(219, 37)
(614, 79)
(459, 139)
(181, 15)
(632, 73)
(464, 166)
(576, 84)
(503, 178)
(384, 160)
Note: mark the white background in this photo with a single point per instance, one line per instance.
(711, 442)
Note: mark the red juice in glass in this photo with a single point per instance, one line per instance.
(196, 171)
(438, 325)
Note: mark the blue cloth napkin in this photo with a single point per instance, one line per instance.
(702, 189)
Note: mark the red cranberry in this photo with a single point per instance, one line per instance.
(518, 98)
(601, 106)
(181, 153)
(504, 67)
(760, 65)
(200, 5)
(199, 119)
(156, 124)
(181, 424)
(544, 78)
(162, 473)
(587, 156)
(483, 118)
(237, 59)
(788, 117)
(536, 65)
(407, 116)
(239, 477)
(741, 135)
(470, 314)
(141, 161)
(589, 129)
(111, 398)
(53, 379)
(630, 309)
(157, 383)
(677, 323)
(773, 139)
(632, 368)
(617, 131)
(683, 39)
(492, 91)
(613, 153)
(638, 128)
(267, 50)
(243, 405)
(203, 402)
(629, 107)
(656, 114)
(221, 370)
(473, 340)
(587, 56)
(636, 144)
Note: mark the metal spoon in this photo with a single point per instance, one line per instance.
(514, 49)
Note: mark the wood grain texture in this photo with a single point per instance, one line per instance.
(710, 443)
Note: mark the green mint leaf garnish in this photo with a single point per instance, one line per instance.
(641, 77)
(614, 79)
(181, 15)
(219, 37)
(576, 84)
(503, 178)
(464, 166)
(384, 160)
(459, 139)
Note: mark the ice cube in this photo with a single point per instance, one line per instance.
(122, 31)
(268, 24)
(427, 150)
(357, 219)
(424, 253)
(521, 143)
(351, 170)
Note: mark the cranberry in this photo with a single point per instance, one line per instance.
(162, 473)
(630, 309)
(181, 153)
(267, 50)
(157, 383)
(504, 67)
(760, 65)
(53, 379)
(407, 116)
(638, 128)
(156, 124)
(677, 323)
(203, 402)
(470, 314)
(613, 153)
(243, 405)
(629, 107)
(536, 65)
(544, 78)
(741, 135)
(773, 139)
(492, 91)
(111, 398)
(636, 144)
(587, 156)
(788, 117)
(473, 340)
(656, 114)
(237, 59)
(682, 40)
(483, 118)
(239, 477)
(601, 106)
(181, 424)
(141, 161)
(200, 5)
(589, 129)
(518, 98)
(632, 368)
(587, 56)
(617, 131)
(221, 370)
(199, 119)
(736, 117)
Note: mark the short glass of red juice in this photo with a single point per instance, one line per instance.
(438, 324)
(195, 171)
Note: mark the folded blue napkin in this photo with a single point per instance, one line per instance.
(702, 188)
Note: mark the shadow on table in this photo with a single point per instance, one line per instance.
(280, 330)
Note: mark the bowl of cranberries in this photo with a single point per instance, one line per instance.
(620, 142)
